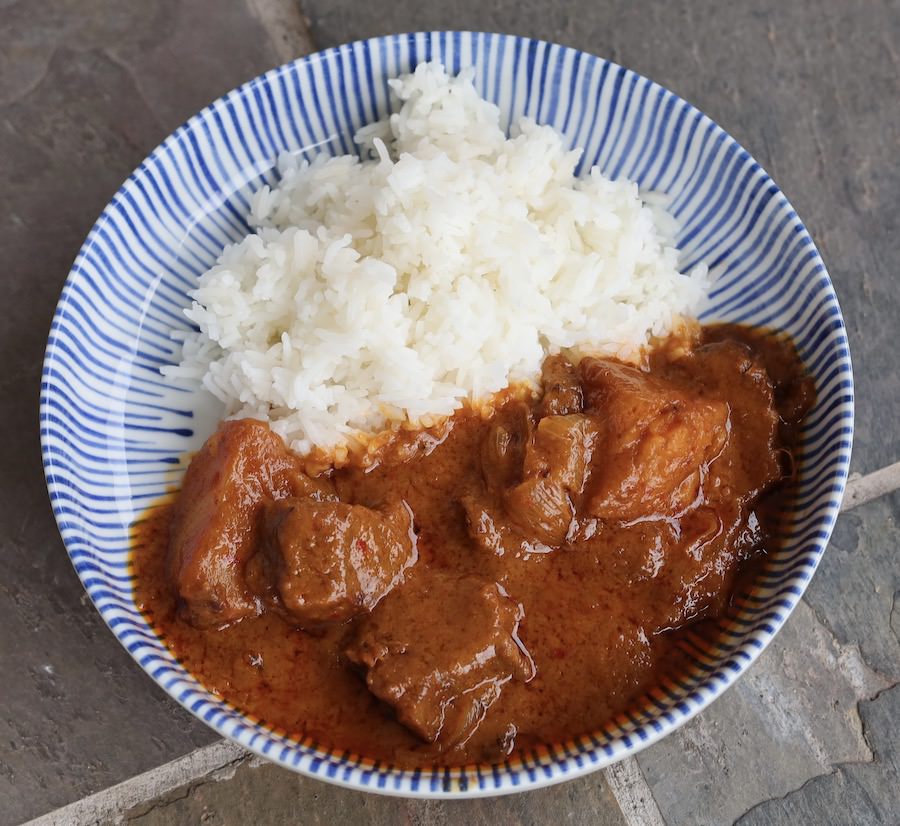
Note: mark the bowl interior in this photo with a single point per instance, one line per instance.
(115, 432)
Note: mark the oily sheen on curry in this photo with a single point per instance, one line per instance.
(503, 579)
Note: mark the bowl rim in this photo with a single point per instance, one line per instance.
(571, 766)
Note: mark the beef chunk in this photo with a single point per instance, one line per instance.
(215, 524)
(694, 578)
(625, 396)
(442, 676)
(329, 561)
(657, 445)
(562, 387)
(531, 476)
(561, 450)
(491, 529)
(554, 469)
(503, 449)
(729, 368)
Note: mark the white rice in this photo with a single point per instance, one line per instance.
(391, 290)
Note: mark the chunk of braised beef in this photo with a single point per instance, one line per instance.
(490, 528)
(502, 451)
(215, 525)
(441, 677)
(657, 443)
(553, 474)
(627, 397)
(696, 574)
(329, 561)
(750, 462)
(561, 387)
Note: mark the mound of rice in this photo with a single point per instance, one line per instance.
(391, 290)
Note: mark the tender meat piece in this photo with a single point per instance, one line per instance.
(215, 524)
(492, 531)
(562, 387)
(329, 561)
(695, 576)
(657, 445)
(677, 570)
(750, 462)
(794, 388)
(662, 473)
(716, 542)
(503, 449)
(554, 472)
(442, 675)
(542, 509)
(561, 449)
(531, 482)
(626, 397)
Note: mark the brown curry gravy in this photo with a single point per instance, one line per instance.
(591, 617)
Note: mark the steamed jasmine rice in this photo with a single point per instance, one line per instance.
(442, 270)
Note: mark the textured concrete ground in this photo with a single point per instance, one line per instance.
(810, 87)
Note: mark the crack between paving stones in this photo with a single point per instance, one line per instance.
(116, 803)
(633, 794)
(135, 814)
(895, 627)
(836, 768)
(872, 699)
(844, 644)
(159, 805)
(849, 504)
(871, 486)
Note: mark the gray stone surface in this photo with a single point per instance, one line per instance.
(853, 794)
(791, 718)
(808, 87)
(856, 592)
(86, 90)
(293, 799)
(88, 87)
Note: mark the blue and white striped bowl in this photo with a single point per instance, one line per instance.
(113, 429)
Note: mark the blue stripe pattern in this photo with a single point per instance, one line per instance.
(114, 432)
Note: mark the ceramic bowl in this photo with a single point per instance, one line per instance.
(115, 432)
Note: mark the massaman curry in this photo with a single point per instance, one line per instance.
(503, 579)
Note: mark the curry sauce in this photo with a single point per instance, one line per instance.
(507, 579)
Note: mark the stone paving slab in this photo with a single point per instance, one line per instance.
(856, 592)
(852, 794)
(87, 89)
(267, 795)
